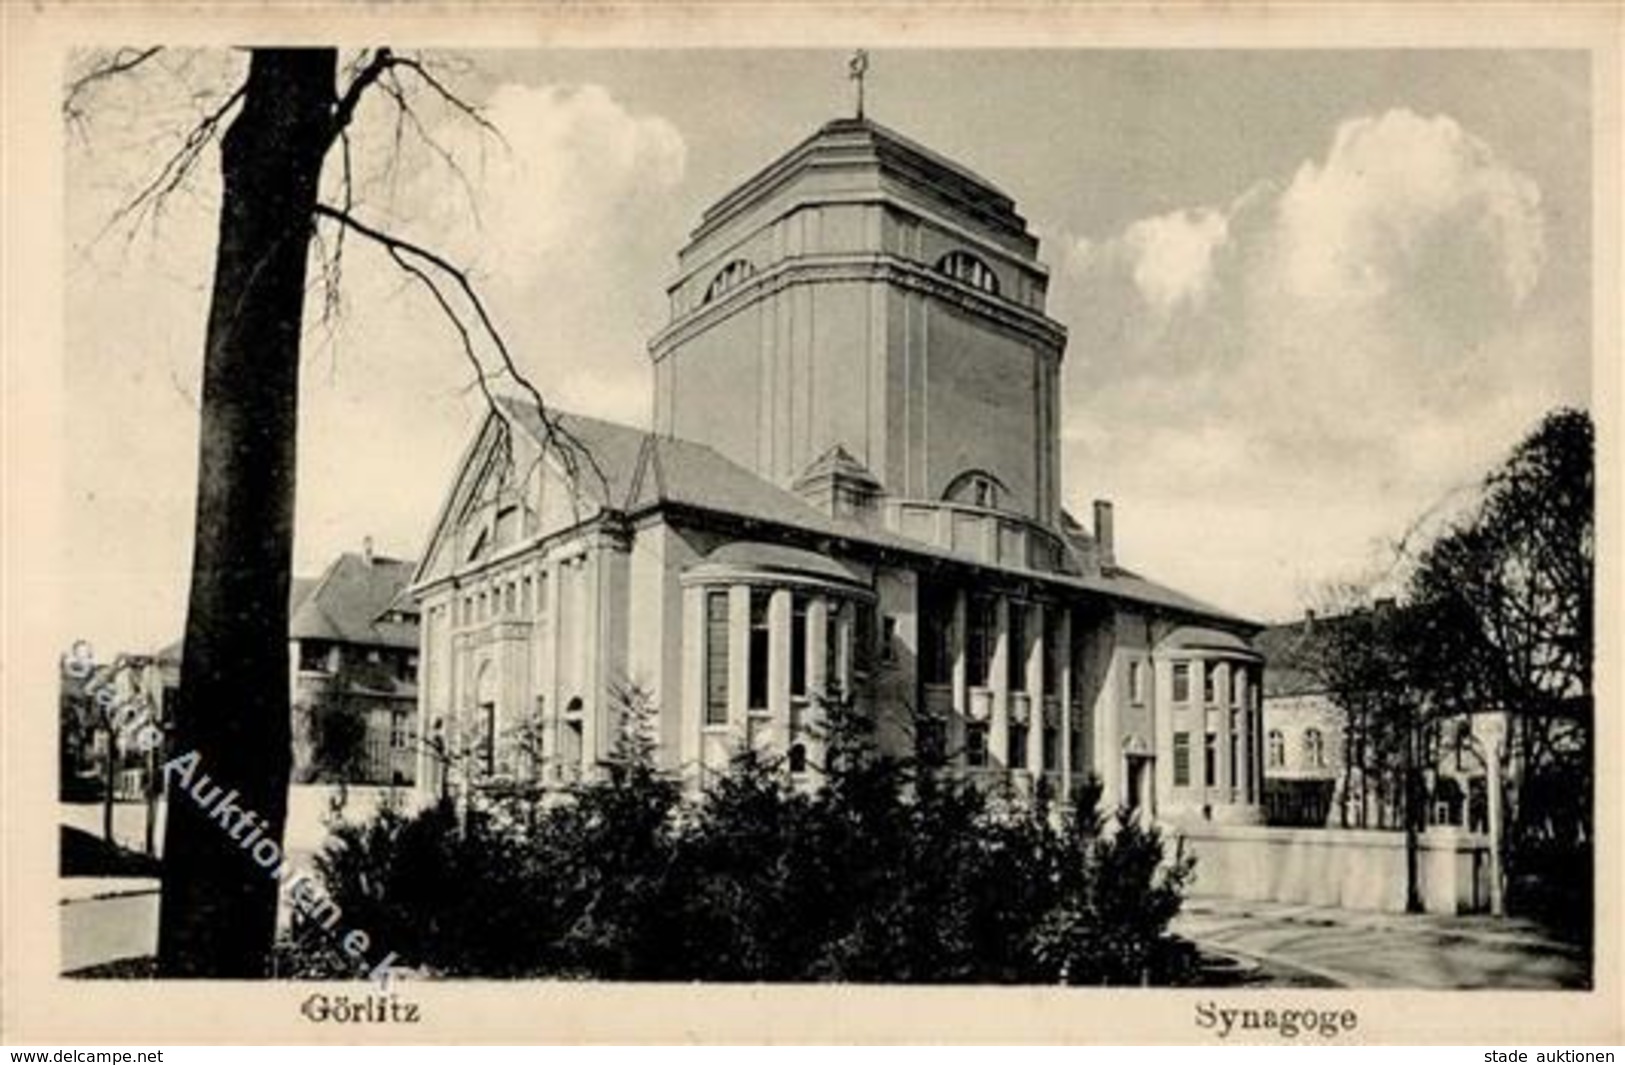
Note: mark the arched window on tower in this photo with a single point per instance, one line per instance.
(731, 276)
(963, 266)
(978, 488)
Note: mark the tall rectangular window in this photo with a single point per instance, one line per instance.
(1210, 682)
(1182, 759)
(1052, 748)
(1136, 683)
(716, 658)
(488, 737)
(976, 744)
(1052, 654)
(1182, 682)
(798, 646)
(759, 644)
(936, 635)
(1210, 760)
(979, 640)
(1015, 659)
(832, 652)
(1016, 755)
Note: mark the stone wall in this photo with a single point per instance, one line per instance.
(1356, 869)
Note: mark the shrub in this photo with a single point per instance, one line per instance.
(883, 871)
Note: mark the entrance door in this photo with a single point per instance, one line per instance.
(1137, 790)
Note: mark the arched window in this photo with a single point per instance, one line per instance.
(1277, 749)
(1314, 751)
(731, 276)
(977, 488)
(963, 266)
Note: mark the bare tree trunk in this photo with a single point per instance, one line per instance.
(218, 911)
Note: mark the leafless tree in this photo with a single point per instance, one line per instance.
(288, 117)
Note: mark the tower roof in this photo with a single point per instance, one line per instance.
(864, 143)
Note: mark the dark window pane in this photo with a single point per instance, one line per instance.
(798, 646)
(759, 644)
(1016, 756)
(716, 658)
(1016, 649)
(976, 744)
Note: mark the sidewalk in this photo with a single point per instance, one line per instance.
(1386, 950)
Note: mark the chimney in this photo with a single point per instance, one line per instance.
(1309, 618)
(366, 550)
(1103, 532)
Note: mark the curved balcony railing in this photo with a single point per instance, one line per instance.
(992, 536)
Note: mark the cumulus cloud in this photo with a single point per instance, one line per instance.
(1172, 256)
(1391, 189)
(1350, 338)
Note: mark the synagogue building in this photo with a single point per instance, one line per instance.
(850, 487)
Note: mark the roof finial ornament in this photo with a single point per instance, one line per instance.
(856, 68)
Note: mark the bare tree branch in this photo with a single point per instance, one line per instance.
(119, 62)
(411, 258)
(150, 199)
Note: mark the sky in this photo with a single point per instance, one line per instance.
(1310, 296)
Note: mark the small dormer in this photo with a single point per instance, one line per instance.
(839, 485)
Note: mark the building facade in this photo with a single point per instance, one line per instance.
(852, 489)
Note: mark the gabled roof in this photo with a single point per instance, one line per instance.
(348, 602)
(1289, 652)
(633, 470)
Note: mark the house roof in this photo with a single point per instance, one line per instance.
(636, 470)
(1289, 652)
(348, 602)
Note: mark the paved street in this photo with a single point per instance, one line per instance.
(111, 927)
(1381, 950)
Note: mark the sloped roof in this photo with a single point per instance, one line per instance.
(1201, 638)
(349, 600)
(759, 555)
(637, 470)
(838, 463)
(1289, 652)
(633, 470)
(864, 140)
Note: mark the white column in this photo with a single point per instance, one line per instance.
(594, 741)
(1162, 727)
(845, 624)
(1492, 735)
(1035, 689)
(997, 670)
(778, 666)
(1244, 743)
(693, 697)
(961, 707)
(738, 661)
(1221, 695)
(817, 620)
(1063, 647)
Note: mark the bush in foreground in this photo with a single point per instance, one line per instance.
(885, 872)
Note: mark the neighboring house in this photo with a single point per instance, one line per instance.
(1304, 746)
(1307, 747)
(852, 487)
(354, 645)
(351, 627)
